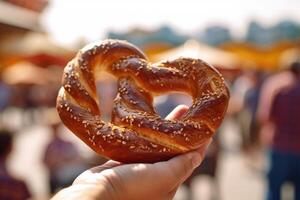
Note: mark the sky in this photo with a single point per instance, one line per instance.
(67, 21)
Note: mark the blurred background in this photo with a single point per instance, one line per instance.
(255, 44)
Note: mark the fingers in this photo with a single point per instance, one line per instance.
(203, 147)
(178, 169)
(178, 112)
(201, 150)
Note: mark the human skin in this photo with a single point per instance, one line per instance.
(116, 181)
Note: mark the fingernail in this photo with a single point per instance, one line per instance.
(196, 159)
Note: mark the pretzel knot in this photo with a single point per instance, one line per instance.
(136, 132)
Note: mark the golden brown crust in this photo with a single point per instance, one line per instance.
(137, 133)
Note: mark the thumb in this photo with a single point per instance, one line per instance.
(178, 112)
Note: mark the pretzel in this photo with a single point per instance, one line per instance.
(136, 132)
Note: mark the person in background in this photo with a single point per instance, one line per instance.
(245, 94)
(62, 160)
(5, 94)
(11, 188)
(251, 103)
(282, 120)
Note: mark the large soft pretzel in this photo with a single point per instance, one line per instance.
(136, 133)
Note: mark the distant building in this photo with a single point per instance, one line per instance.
(215, 35)
(284, 30)
(141, 37)
(287, 30)
(212, 35)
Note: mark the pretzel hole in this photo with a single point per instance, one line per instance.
(164, 104)
(106, 91)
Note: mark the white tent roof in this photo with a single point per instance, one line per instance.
(194, 49)
(24, 73)
(34, 43)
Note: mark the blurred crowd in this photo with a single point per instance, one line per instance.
(263, 106)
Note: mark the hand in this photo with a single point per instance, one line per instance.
(115, 181)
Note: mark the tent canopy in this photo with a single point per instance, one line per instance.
(262, 57)
(25, 73)
(34, 43)
(193, 49)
